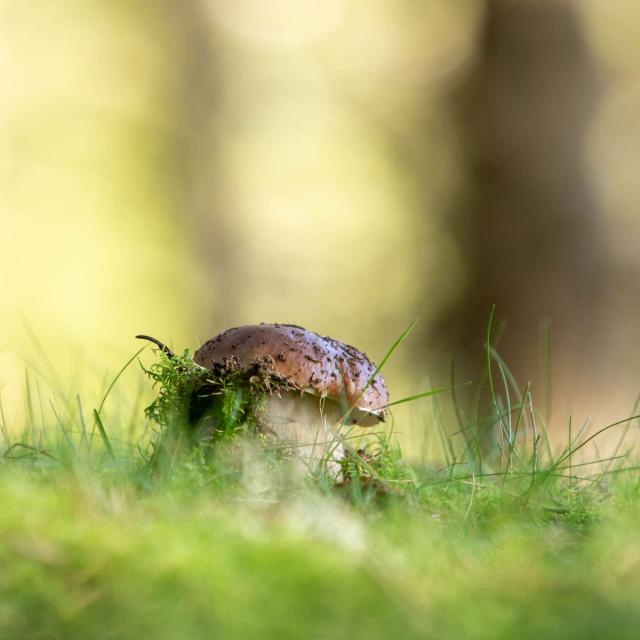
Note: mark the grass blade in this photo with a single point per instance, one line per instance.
(103, 433)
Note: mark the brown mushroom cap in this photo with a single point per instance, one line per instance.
(317, 365)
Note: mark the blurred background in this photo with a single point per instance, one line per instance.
(176, 168)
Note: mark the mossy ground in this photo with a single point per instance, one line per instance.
(226, 540)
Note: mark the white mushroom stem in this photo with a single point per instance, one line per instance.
(309, 426)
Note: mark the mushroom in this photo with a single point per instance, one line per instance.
(335, 383)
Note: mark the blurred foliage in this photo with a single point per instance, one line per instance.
(178, 168)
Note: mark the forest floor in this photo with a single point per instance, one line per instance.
(509, 537)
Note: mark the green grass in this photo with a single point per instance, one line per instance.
(495, 533)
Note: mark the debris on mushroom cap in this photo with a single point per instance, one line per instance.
(318, 365)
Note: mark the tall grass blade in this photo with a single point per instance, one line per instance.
(117, 377)
(424, 394)
(405, 334)
(103, 433)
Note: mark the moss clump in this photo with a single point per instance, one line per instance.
(203, 406)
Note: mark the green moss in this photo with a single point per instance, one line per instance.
(196, 407)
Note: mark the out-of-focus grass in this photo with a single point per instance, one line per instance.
(501, 537)
(83, 558)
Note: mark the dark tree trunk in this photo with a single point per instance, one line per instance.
(528, 226)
